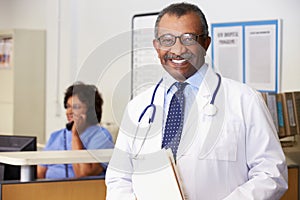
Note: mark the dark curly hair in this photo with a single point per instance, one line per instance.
(90, 96)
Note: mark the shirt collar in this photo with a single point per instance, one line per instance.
(195, 80)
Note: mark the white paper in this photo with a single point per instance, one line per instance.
(260, 60)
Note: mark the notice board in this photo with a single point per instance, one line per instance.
(248, 52)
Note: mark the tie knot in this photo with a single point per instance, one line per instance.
(180, 86)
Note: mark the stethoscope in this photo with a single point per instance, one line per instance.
(209, 109)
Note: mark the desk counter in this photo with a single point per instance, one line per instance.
(26, 159)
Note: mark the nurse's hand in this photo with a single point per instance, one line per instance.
(78, 127)
(80, 123)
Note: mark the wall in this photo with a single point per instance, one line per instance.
(90, 40)
(19, 83)
(27, 14)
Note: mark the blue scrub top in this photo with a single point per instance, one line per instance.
(94, 137)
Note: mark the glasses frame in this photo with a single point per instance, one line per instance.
(180, 37)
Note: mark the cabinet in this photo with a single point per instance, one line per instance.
(67, 189)
(293, 182)
(22, 84)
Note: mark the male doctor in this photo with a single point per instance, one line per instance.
(220, 131)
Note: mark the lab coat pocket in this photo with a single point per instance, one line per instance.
(225, 147)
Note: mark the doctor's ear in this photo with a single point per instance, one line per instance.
(207, 43)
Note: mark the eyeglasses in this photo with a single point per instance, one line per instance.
(187, 39)
(74, 106)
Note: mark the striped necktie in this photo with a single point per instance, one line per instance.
(175, 118)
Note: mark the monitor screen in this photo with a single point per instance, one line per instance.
(9, 143)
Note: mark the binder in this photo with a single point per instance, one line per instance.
(156, 177)
(296, 101)
(1, 53)
(289, 114)
(264, 96)
(271, 101)
(281, 123)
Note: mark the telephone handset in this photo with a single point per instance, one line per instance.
(69, 125)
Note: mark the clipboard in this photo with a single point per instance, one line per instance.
(156, 177)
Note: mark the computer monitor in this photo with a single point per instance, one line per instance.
(9, 143)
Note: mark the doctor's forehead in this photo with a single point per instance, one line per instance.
(171, 23)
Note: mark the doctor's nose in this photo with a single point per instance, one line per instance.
(178, 48)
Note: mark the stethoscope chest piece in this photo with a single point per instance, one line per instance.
(210, 109)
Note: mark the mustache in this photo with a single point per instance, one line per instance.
(185, 56)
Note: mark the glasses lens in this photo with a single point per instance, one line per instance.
(188, 39)
(167, 40)
(76, 107)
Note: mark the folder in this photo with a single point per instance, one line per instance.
(281, 123)
(289, 114)
(296, 101)
(156, 177)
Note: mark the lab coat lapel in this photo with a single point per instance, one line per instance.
(191, 126)
(217, 120)
(194, 122)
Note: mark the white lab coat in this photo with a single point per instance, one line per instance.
(235, 154)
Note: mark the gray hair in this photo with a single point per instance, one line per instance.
(180, 9)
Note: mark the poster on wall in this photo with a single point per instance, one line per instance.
(248, 52)
(6, 52)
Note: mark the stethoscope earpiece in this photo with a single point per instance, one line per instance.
(210, 109)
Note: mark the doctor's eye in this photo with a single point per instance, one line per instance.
(167, 40)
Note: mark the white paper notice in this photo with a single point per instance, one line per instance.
(260, 60)
(228, 52)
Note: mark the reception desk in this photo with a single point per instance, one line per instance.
(89, 188)
(26, 159)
